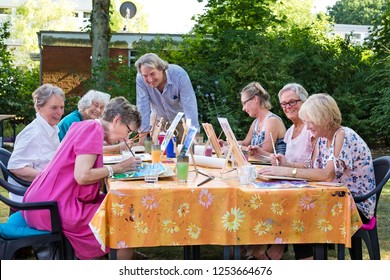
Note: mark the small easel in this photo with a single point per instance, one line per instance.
(234, 148)
(156, 129)
(212, 139)
(190, 148)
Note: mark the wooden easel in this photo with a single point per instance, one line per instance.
(156, 130)
(212, 139)
(234, 148)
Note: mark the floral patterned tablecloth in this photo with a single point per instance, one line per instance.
(220, 212)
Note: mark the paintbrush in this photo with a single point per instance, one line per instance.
(128, 147)
(273, 147)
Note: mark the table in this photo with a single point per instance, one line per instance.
(3, 118)
(137, 214)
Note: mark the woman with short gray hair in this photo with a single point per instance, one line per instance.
(90, 106)
(37, 143)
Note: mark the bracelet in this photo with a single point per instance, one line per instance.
(110, 170)
(294, 172)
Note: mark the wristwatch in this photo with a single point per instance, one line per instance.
(294, 172)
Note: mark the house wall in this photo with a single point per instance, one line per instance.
(70, 67)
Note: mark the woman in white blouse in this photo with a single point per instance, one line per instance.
(37, 143)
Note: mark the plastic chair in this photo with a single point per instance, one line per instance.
(4, 158)
(368, 232)
(9, 245)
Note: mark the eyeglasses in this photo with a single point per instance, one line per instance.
(129, 129)
(249, 99)
(291, 103)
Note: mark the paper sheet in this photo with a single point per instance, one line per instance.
(211, 162)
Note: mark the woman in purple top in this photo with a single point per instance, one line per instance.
(73, 176)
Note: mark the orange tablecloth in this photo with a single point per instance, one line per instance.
(138, 214)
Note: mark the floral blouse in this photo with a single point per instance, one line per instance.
(259, 135)
(354, 167)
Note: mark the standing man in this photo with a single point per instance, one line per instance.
(164, 90)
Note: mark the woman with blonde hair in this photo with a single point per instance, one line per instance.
(256, 103)
(340, 155)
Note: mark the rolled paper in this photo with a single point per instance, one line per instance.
(211, 162)
(199, 150)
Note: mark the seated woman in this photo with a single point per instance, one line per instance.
(256, 102)
(73, 176)
(37, 143)
(90, 106)
(299, 147)
(340, 154)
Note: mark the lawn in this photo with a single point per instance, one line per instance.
(216, 252)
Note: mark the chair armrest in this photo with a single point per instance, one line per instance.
(13, 188)
(366, 196)
(8, 173)
(52, 206)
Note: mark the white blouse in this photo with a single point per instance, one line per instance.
(34, 147)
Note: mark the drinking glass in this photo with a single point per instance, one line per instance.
(247, 174)
(151, 173)
(182, 168)
(156, 153)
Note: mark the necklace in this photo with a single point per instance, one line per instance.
(260, 123)
(297, 131)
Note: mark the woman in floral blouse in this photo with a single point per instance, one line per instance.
(340, 155)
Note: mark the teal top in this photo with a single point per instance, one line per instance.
(67, 121)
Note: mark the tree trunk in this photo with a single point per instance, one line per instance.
(100, 39)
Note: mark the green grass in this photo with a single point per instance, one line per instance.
(216, 252)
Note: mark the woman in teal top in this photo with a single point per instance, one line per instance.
(90, 106)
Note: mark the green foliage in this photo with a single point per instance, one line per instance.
(234, 15)
(120, 81)
(360, 12)
(16, 84)
(228, 50)
(240, 41)
(380, 35)
(31, 17)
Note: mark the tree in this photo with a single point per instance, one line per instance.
(360, 12)
(16, 84)
(224, 15)
(33, 16)
(100, 38)
(380, 35)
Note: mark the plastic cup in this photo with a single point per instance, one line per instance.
(156, 153)
(182, 168)
(209, 151)
(247, 174)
